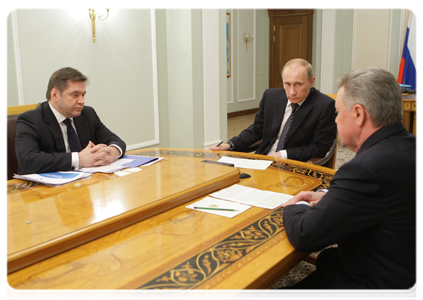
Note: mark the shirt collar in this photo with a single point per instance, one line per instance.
(299, 103)
(59, 117)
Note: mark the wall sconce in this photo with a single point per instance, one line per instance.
(248, 37)
(92, 17)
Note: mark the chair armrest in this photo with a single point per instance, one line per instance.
(320, 161)
(253, 147)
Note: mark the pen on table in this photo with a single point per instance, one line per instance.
(219, 144)
(215, 208)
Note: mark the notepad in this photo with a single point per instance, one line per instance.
(217, 203)
(252, 196)
(247, 163)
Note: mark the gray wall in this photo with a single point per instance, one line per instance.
(147, 68)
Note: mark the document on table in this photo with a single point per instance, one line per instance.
(111, 168)
(252, 196)
(54, 178)
(246, 163)
(127, 171)
(153, 162)
(210, 202)
(137, 161)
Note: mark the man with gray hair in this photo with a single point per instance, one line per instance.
(294, 122)
(369, 210)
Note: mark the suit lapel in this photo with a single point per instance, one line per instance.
(53, 127)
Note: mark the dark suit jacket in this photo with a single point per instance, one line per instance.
(39, 141)
(311, 133)
(370, 212)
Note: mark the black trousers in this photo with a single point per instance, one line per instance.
(314, 286)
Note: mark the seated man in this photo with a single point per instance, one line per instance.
(61, 134)
(369, 210)
(307, 131)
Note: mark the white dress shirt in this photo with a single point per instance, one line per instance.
(288, 111)
(60, 118)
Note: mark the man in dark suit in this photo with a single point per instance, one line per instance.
(369, 210)
(63, 134)
(308, 130)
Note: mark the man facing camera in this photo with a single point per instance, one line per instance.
(369, 210)
(63, 134)
(294, 122)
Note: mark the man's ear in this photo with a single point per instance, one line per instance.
(54, 94)
(359, 114)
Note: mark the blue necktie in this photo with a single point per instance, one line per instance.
(285, 129)
(74, 144)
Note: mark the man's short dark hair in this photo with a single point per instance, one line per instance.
(60, 80)
(301, 62)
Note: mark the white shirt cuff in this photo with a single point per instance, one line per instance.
(75, 161)
(116, 146)
(303, 203)
(284, 154)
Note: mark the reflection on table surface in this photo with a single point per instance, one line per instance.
(119, 238)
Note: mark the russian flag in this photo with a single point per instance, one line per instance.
(407, 72)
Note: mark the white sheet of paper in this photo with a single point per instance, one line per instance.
(217, 203)
(246, 163)
(127, 171)
(252, 196)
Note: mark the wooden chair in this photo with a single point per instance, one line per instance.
(13, 113)
(330, 158)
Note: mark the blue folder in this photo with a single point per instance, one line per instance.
(138, 160)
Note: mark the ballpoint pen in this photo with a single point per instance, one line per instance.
(219, 144)
(215, 208)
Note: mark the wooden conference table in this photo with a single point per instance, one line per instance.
(135, 232)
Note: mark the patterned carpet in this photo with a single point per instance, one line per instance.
(298, 273)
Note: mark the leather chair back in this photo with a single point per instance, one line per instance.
(12, 161)
(13, 113)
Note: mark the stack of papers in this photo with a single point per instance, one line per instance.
(54, 178)
(252, 196)
(127, 161)
(240, 195)
(246, 163)
(111, 168)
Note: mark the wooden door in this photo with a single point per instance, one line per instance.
(291, 34)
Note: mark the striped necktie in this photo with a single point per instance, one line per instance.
(74, 144)
(285, 129)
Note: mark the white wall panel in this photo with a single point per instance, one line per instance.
(121, 65)
(246, 56)
(211, 77)
(328, 51)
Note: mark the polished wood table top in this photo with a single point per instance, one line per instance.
(166, 245)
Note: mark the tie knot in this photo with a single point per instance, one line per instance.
(294, 106)
(67, 122)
